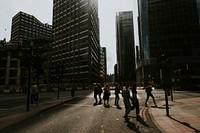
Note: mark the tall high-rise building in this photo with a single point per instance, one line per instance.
(76, 46)
(27, 27)
(125, 47)
(103, 64)
(170, 28)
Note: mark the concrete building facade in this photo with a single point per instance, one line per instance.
(103, 68)
(27, 27)
(15, 57)
(76, 46)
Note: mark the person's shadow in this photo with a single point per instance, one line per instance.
(133, 127)
(141, 120)
(185, 124)
(118, 107)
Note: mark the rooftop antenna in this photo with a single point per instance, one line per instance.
(5, 35)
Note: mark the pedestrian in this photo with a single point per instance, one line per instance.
(73, 90)
(148, 90)
(95, 88)
(126, 98)
(135, 101)
(117, 91)
(106, 96)
(99, 92)
(37, 93)
(34, 93)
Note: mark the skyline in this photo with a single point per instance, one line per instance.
(43, 11)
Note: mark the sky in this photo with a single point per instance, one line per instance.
(43, 9)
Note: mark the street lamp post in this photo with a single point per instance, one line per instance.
(162, 61)
(29, 75)
(166, 102)
(58, 79)
(58, 87)
(164, 65)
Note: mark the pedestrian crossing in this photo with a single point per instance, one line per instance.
(111, 96)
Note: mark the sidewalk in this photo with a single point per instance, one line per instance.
(184, 116)
(34, 109)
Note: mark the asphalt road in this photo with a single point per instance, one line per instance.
(80, 116)
(12, 103)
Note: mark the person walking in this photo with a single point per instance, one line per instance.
(148, 90)
(34, 93)
(135, 101)
(117, 91)
(95, 88)
(126, 98)
(99, 93)
(73, 90)
(106, 96)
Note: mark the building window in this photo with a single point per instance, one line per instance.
(13, 73)
(13, 64)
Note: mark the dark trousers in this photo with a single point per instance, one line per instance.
(136, 106)
(100, 99)
(149, 94)
(34, 97)
(72, 92)
(95, 97)
(116, 99)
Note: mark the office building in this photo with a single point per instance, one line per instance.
(170, 29)
(27, 27)
(15, 55)
(10, 65)
(125, 47)
(103, 65)
(76, 47)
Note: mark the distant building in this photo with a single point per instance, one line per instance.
(169, 32)
(10, 65)
(27, 27)
(103, 68)
(15, 54)
(15, 61)
(137, 54)
(115, 73)
(76, 47)
(125, 47)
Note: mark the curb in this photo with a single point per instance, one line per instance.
(154, 121)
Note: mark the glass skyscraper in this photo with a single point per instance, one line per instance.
(125, 47)
(170, 28)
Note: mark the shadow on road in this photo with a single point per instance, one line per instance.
(133, 127)
(161, 107)
(185, 124)
(143, 122)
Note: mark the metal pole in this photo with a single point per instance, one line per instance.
(58, 67)
(166, 91)
(171, 95)
(164, 87)
(166, 102)
(29, 76)
(161, 76)
(58, 89)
